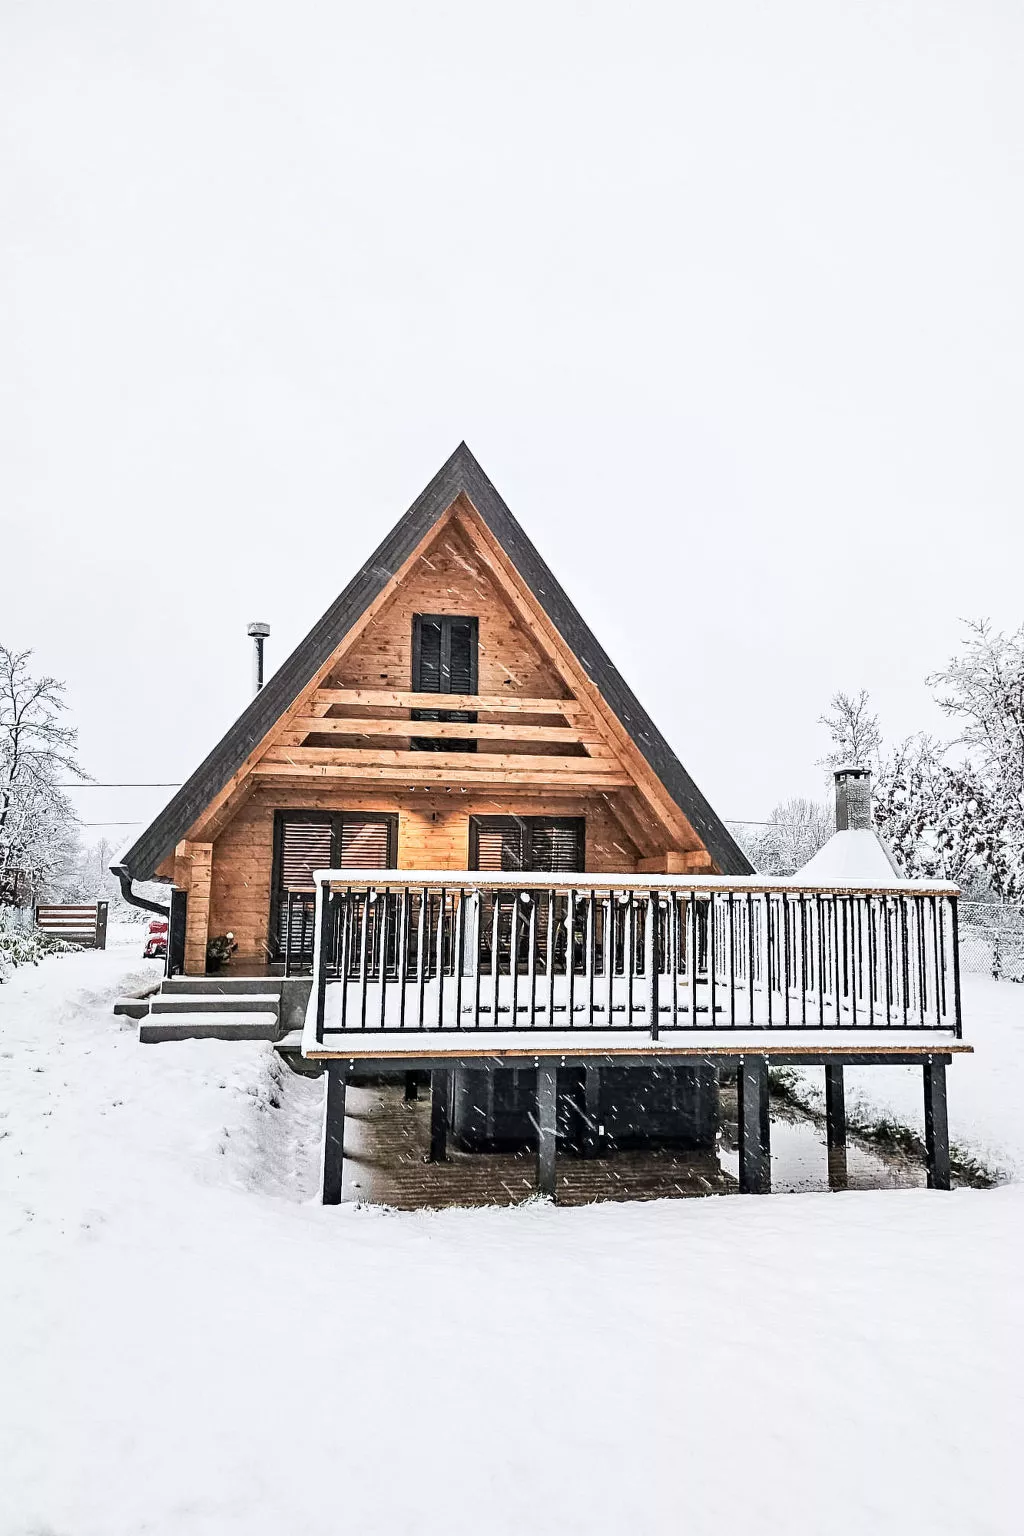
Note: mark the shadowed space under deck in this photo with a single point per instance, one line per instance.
(387, 1140)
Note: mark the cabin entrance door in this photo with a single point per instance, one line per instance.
(305, 841)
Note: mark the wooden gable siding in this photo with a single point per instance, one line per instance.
(449, 578)
(433, 833)
(337, 768)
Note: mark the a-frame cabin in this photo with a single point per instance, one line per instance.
(456, 836)
(451, 710)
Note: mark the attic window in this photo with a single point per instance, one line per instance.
(444, 660)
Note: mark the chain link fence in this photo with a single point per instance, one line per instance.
(992, 940)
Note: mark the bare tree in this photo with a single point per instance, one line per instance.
(854, 729)
(794, 832)
(38, 836)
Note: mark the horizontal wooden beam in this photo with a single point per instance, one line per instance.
(459, 730)
(454, 763)
(589, 775)
(488, 703)
(676, 863)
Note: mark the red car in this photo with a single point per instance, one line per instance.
(156, 940)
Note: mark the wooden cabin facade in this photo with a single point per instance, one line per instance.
(452, 829)
(451, 711)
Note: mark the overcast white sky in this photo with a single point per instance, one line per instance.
(726, 298)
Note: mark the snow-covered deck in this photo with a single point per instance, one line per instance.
(780, 1045)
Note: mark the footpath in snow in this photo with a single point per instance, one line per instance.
(192, 1346)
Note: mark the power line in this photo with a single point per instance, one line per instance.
(93, 785)
(90, 784)
(108, 823)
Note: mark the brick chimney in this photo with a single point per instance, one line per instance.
(853, 799)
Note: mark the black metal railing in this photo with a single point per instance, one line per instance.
(410, 953)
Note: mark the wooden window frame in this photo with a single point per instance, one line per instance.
(445, 620)
(578, 824)
(335, 820)
(468, 717)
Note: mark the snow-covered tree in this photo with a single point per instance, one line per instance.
(38, 828)
(794, 832)
(936, 816)
(983, 691)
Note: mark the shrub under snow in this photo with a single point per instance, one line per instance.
(21, 945)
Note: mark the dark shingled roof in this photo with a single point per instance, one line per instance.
(460, 473)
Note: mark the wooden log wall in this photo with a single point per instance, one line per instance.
(433, 833)
(450, 578)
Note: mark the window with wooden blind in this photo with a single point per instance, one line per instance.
(305, 841)
(444, 660)
(500, 844)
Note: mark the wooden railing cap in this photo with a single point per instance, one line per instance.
(700, 885)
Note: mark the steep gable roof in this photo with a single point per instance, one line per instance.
(461, 475)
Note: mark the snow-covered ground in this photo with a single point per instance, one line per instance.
(190, 1344)
(986, 1115)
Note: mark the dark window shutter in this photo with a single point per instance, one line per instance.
(462, 657)
(500, 845)
(508, 843)
(305, 846)
(428, 656)
(444, 651)
(557, 846)
(364, 845)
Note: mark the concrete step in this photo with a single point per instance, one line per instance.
(227, 986)
(132, 1007)
(215, 1002)
(292, 1041)
(255, 1025)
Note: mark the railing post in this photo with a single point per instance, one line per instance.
(755, 1150)
(100, 940)
(334, 1134)
(591, 1112)
(547, 1126)
(936, 1124)
(956, 965)
(651, 962)
(439, 1089)
(835, 1125)
(322, 946)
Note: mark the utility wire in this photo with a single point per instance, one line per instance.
(89, 784)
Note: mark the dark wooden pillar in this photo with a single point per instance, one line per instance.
(547, 1127)
(177, 918)
(755, 1138)
(334, 1134)
(440, 1086)
(835, 1126)
(936, 1125)
(591, 1112)
(412, 1087)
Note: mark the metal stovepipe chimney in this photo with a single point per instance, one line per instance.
(259, 633)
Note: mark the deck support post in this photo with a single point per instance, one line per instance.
(439, 1089)
(591, 1112)
(755, 1139)
(547, 1127)
(412, 1088)
(334, 1134)
(835, 1125)
(936, 1124)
